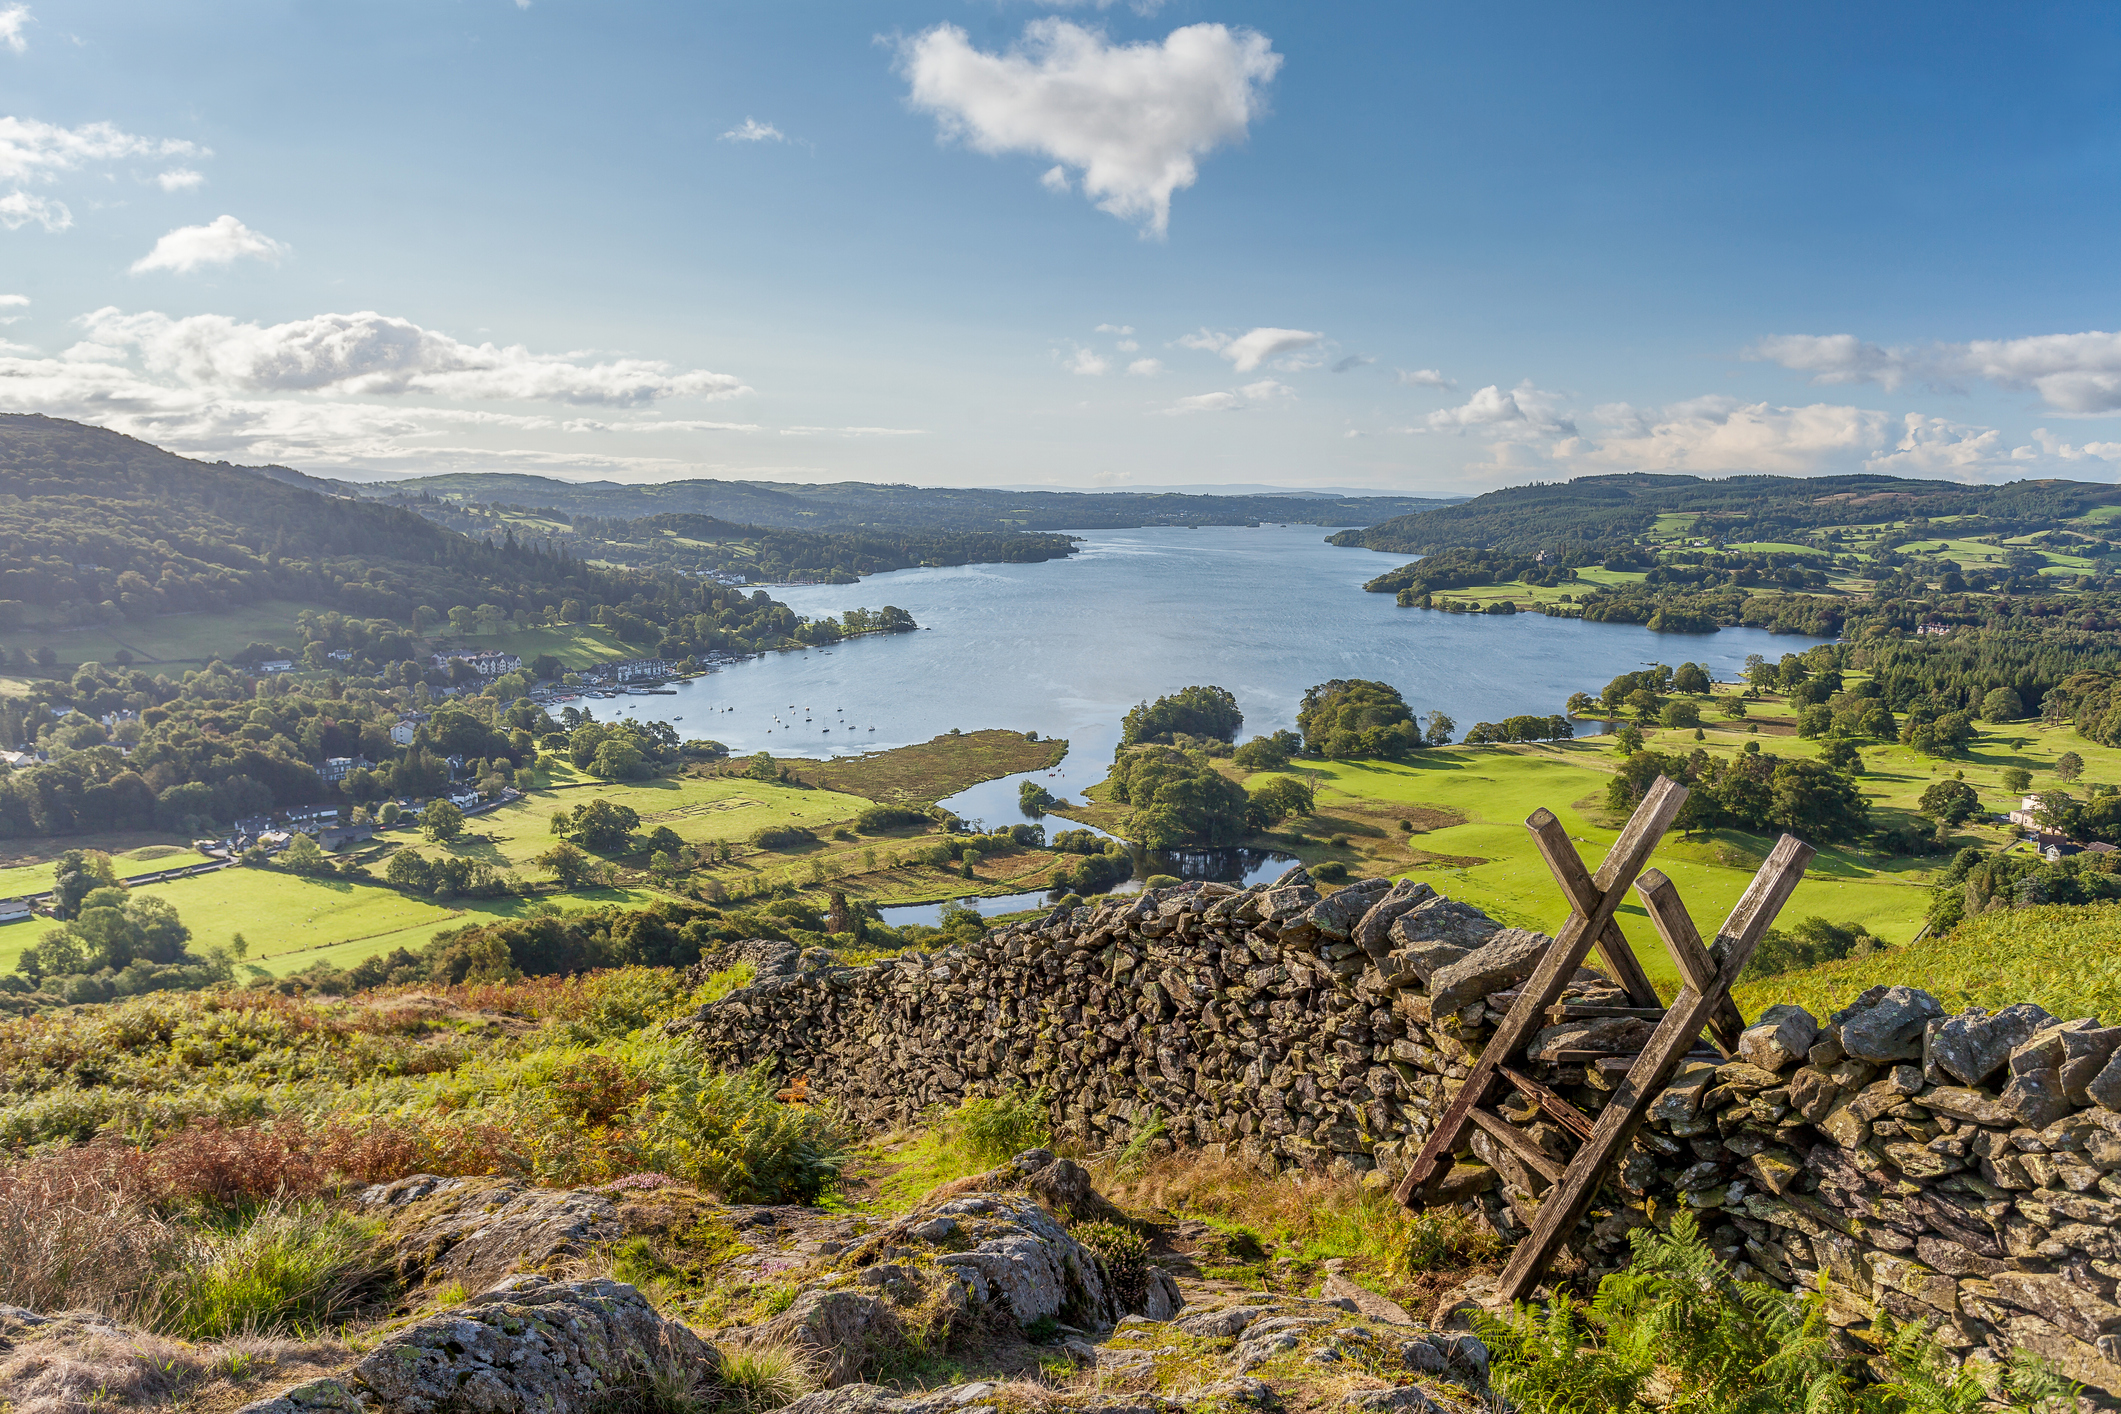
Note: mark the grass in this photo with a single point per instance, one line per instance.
(141, 859)
(932, 770)
(2059, 956)
(289, 1266)
(173, 638)
(980, 1133)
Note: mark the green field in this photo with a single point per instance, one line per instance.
(1494, 789)
(171, 638)
(576, 645)
(153, 859)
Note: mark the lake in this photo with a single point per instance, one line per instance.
(1064, 648)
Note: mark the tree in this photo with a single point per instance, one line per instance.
(619, 759)
(1630, 740)
(2057, 811)
(1440, 730)
(1033, 798)
(600, 825)
(441, 821)
(1692, 679)
(1263, 753)
(1681, 714)
(1949, 802)
(408, 870)
(1178, 797)
(302, 856)
(1840, 753)
(568, 864)
(1815, 721)
(1352, 717)
(1734, 709)
(1277, 800)
(1192, 711)
(2017, 780)
(2002, 705)
(761, 767)
(2069, 765)
(79, 871)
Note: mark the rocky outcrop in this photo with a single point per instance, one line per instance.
(1898, 1158)
(528, 1346)
(477, 1231)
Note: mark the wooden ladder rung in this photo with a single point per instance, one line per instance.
(1520, 1144)
(1557, 1109)
(1581, 1011)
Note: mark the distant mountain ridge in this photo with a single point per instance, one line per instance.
(1523, 519)
(867, 505)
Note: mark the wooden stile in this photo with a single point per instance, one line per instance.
(1704, 1002)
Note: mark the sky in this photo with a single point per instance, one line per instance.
(1405, 247)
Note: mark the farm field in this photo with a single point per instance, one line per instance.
(148, 859)
(190, 639)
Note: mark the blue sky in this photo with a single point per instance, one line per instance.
(1403, 247)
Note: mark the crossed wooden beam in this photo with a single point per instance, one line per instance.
(1704, 1001)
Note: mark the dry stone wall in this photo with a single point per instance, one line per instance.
(1964, 1170)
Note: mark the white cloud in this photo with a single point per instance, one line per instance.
(1934, 446)
(1139, 7)
(754, 131)
(2054, 449)
(1423, 378)
(1055, 179)
(1521, 413)
(854, 431)
(1266, 390)
(1720, 434)
(1249, 350)
(12, 20)
(1121, 329)
(1089, 363)
(671, 424)
(1145, 367)
(221, 241)
(368, 353)
(179, 179)
(1133, 119)
(2076, 374)
(7, 301)
(31, 151)
(19, 208)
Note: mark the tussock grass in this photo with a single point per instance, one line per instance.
(762, 1378)
(980, 1133)
(77, 1369)
(1305, 1217)
(291, 1267)
(2060, 956)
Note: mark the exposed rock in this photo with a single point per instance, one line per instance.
(1781, 1037)
(1334, 917)
(1367, 1302)
(843, 1333)
(1403, 1399)
(528, 1345)
(2085, 1053)
(1973, 1045)
(1374, 933)
(477, 1231)
(1025, 1262)
(325, 1396)
(1223, 1321)
(1443, 920)
(1889, 1028)
(1497, 965)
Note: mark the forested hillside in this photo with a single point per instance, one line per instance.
(1592, 509)
(854, 504)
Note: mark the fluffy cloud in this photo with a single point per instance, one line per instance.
(12, 300)
(1133, 119)
(32, 151)
(2078, 374)
(1145, 367)
(754, 131)
(1266, 390)
(1934, 446)
(1249, 350)
(1423, 378)
(19, 208)
(221, 241)
(13, 18)
(179, 179)
(1089, 363)
(1521, 413)
(367, 354)
(1718, 434)
(1122, 330)
(306, 392)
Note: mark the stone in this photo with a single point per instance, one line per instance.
(1367, 1302)
(933, 1230)
(2086, 1051)
(1419, 962)
(1404, 1399)
(325, 1396)
(1973, 1045)
(842, 1333)
(1373, 934)
(1974, 1106)
(1333, 917)
(1025, 1263)
(2105, 1087)
(1609, 1035)
(1161, 1299)
(2053, 1298)
(528, 1346)
(1781, 1037)
(1243, 1389)
(1497, 965)
(1443, 920)
(475, 1231)
(1222, 1322)
(1889, 1028)
(2036, 1098)
(1276, 1335)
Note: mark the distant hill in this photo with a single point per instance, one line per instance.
(1522, 519)
(93, 522)
(852, 505)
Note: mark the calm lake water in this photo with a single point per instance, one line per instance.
(1064, 648)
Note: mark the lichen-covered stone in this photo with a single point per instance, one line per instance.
(1502, 962)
